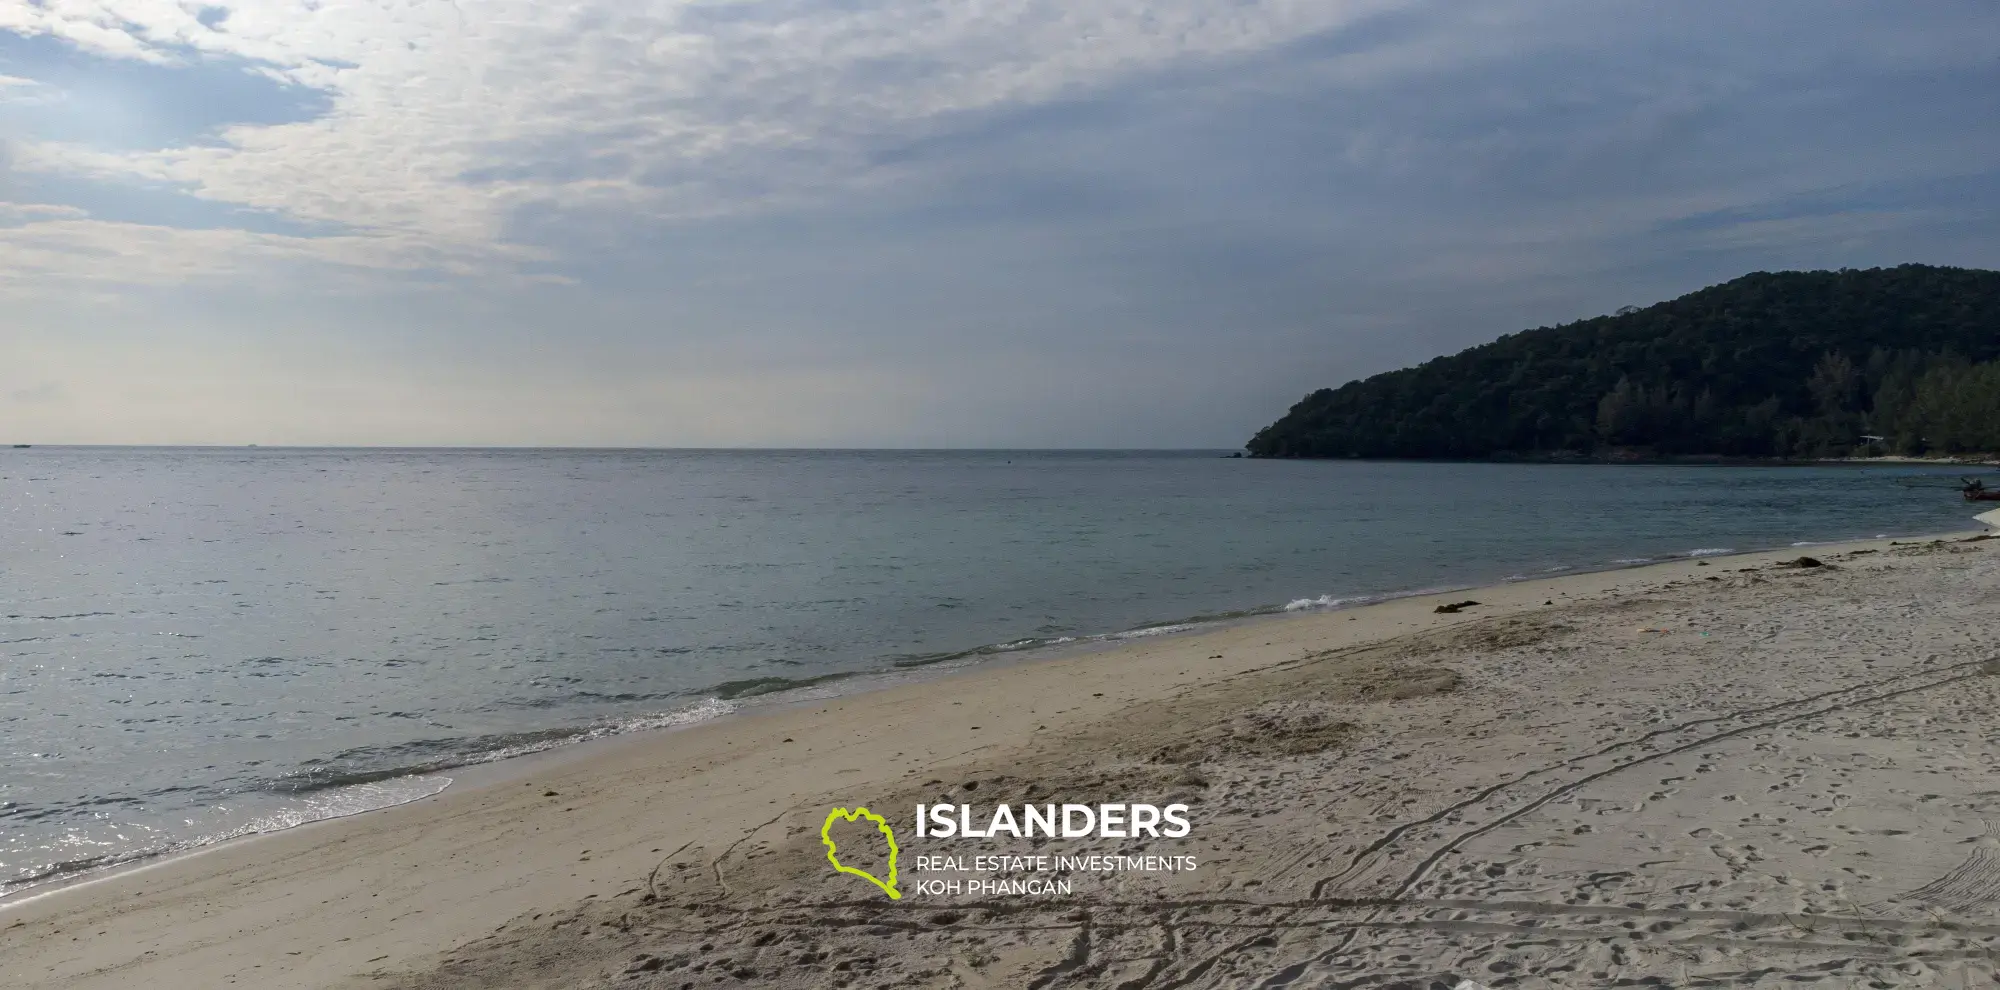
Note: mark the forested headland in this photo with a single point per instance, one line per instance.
(1824, 364)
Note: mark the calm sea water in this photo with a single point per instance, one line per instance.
(197, 643)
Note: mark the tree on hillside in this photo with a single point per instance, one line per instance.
(1792, 364)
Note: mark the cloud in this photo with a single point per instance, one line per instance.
(447, 118)
(446, 123)
(14, 214)
(920, 221)
(49, 250)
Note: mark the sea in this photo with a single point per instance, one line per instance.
(204, 643)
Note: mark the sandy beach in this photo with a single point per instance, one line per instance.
(1732, 771)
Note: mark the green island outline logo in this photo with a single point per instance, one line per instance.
(832, 853)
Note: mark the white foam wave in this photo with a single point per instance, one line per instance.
(1709, 552)
(338, 802)
(1329, 601)
(701, 711)
(353, 799)
(1154, 631)
(1029, 644)
(321, 806)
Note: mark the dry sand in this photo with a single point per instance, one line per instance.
(1692, 774)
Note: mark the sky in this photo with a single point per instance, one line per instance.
(914, 223)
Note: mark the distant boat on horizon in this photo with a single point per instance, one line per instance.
(23, 446)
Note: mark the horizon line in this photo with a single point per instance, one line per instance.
(613, 447)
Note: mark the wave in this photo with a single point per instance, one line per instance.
(751, 687)
(58, 618)
(72, 867)
(341, 802)
(58, 812)
(1709, 552)
(1328, 602)
(372, 764)
(1335, 602)
(561, 700)
(909, 660)
(359, 780)
(1145, 631)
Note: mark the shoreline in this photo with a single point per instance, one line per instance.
(488, 844)
(482, 769)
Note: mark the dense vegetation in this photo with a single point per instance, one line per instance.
(1792, 364)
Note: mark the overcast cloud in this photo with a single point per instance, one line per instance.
(914, 222)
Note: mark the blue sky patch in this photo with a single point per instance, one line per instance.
(113, 104)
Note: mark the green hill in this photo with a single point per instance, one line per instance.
(1787, 364)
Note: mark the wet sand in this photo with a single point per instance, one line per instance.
(1720, 772)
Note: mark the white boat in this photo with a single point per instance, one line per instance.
(1990, 518)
